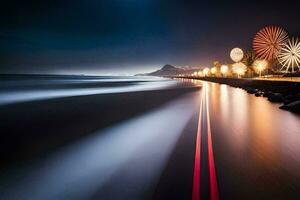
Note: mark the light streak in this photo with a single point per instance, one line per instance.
(196, 178)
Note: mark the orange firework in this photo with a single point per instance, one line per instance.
(268, 41)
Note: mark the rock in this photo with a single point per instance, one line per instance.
(291, 98)
(266, 94)
(259, 93)
(251, 90)
(293, 106)
(275, 97)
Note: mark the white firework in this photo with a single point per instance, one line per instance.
(236, 54)
(239, 68)
(289, 55)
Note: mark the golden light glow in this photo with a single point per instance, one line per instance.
(236, 54)
(260, 65)
(200, 73)
(289, 55)
(206, 71)
(224, 69)
(239, 69)
(213, 70)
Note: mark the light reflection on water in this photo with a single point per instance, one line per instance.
(256, 145)
(256, 129)
(225, 99)
(253, 131)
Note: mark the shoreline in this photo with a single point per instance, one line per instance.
(286, 93)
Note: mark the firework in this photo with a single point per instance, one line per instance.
(260, 65)
(289, 55)
(239, 68)
(268, 41)
(236, 54)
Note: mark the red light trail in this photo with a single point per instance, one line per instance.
(196, 179)
(214, 192)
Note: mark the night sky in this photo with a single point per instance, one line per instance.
(130, 36)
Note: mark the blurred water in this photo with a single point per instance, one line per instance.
(121, 162)
(15, 89)
(257, 145)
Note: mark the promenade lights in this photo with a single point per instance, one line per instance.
(213, 70)
(200, 73)
(205, 71)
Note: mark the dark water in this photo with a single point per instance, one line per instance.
(257, 145)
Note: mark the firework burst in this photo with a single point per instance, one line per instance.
(289, 55)
(236, 54)
(268, 41)
(239, 68)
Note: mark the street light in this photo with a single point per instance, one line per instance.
(213, 70)
(200, 73)
(206, 71)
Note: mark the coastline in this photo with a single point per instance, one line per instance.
(286, 93)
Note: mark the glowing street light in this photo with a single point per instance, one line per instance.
(224, 70)
(260, 65)
(213, 70)
(206, 71)
(200, 73)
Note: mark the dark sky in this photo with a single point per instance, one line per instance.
(130, 36)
